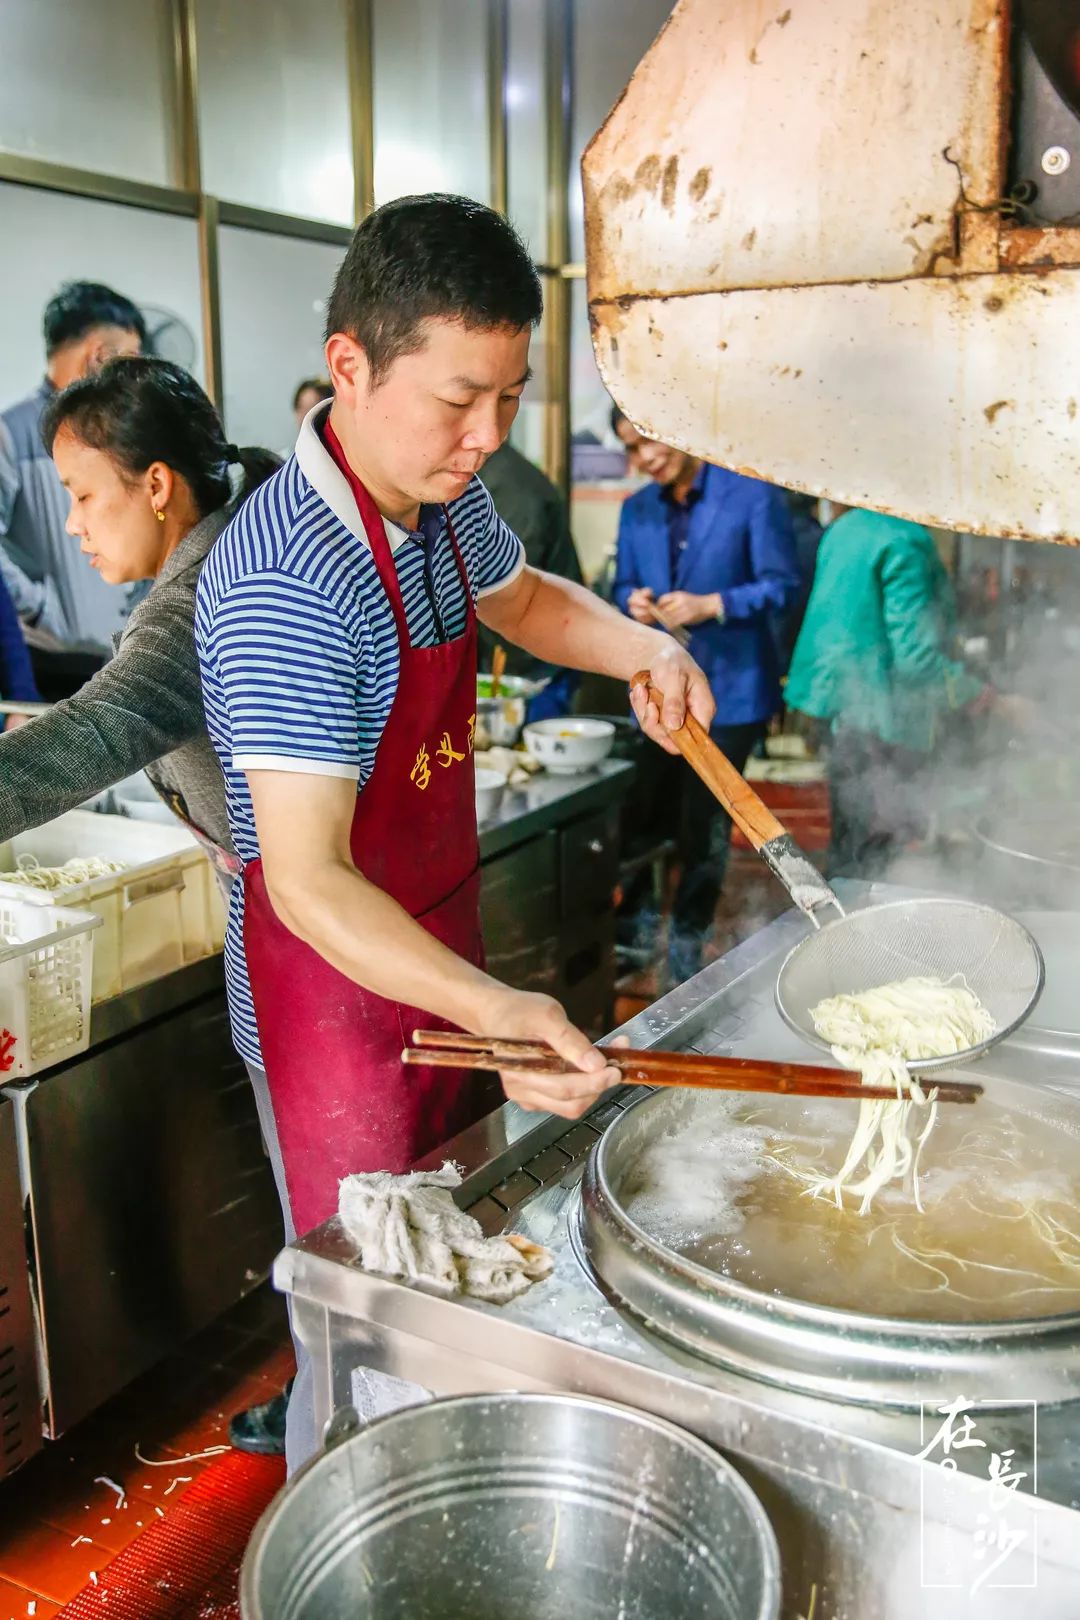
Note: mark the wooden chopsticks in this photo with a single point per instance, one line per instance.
(453, 1050)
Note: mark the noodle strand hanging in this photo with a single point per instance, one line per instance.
(877, 1032)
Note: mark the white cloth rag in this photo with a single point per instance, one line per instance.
(409, 1226)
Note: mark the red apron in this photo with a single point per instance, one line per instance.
(342, 1099)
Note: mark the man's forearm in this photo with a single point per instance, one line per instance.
(567, 625)
(368, 937)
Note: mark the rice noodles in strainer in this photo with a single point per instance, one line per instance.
(876, 1032)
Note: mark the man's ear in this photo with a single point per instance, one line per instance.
(347, 365)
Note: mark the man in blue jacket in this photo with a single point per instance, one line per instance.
(714, 553)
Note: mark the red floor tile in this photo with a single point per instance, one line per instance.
(16, 1603)
(182, 1406)
(44, 1560)
(107, 1520)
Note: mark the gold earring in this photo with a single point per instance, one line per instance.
(159, 513)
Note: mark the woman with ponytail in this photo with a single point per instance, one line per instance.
(143, 455)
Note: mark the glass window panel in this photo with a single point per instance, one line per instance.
(273, 305)
(90, 91)
(152, 258)
(431, 101)
(610, 38)
(526, 152)
(274, 126)
(599, 482)
(529, 432)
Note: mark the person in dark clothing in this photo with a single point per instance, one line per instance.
(807, 531)
(532, 507)
(16, 675)
(710, 553)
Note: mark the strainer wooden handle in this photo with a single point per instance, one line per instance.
(750, 815)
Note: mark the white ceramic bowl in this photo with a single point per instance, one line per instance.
(490, 787)
(566, 747)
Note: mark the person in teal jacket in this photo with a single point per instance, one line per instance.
(873, 663)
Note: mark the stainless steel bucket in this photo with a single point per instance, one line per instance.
(514, 1507)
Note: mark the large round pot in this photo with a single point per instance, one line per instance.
(1030, 858)
(554, 1507)
(853, 1356)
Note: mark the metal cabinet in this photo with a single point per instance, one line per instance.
(20, 1400)
(548, 914)
(150, 1200)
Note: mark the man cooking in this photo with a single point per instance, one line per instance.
(336, 623)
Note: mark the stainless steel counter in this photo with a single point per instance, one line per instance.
(545, 801)
(868, 1530)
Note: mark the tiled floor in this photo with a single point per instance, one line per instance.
(60, 1516)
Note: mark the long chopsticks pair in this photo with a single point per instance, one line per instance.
(454, 1050)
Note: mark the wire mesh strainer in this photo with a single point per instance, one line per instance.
(903, 939)
(926, 938)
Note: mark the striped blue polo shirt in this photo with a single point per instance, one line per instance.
(297, 644)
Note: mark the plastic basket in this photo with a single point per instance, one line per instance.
(46, 970)
(161, 912)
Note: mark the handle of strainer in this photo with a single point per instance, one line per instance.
(767, 836)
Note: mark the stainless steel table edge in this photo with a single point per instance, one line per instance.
(405, 1325)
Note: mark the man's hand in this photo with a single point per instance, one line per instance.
(13, 721)
(639, 604)
(523, 1015)
(683, 607)
(684, 686)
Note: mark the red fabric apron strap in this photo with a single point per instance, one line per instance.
(342, 1099)
(222, 860)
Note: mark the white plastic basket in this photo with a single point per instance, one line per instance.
(161, 912)
(46, 971)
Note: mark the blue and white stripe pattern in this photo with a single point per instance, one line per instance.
(297, 643)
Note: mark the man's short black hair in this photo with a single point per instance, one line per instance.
(79, 306)
(430, 257)
(617, 416)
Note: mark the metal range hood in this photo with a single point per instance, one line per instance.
(830, 243)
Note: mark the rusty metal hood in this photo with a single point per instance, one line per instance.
(802, 264)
